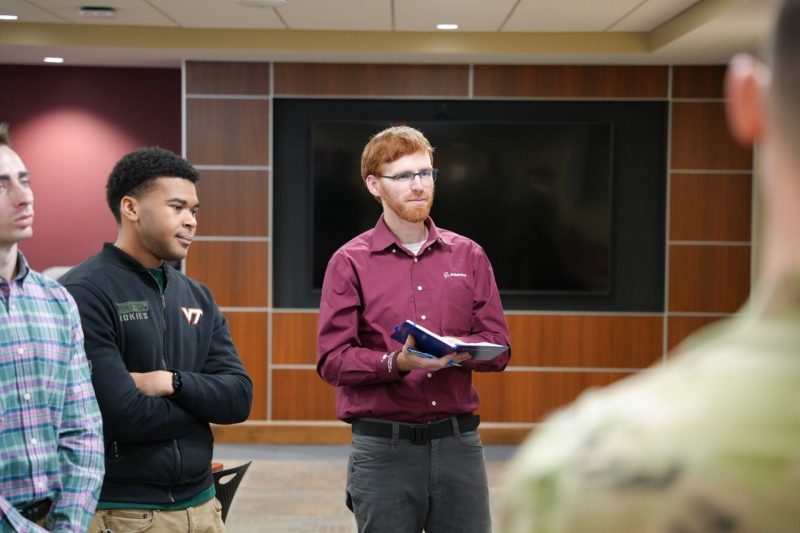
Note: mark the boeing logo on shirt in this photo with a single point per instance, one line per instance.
(192, 315)
(454, 275)
(128, 311)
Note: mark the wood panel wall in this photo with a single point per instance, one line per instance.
(556, 356)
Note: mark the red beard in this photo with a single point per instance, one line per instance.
(407, 211)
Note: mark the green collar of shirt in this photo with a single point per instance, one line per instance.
(160, 276)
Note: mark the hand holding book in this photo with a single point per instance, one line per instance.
(438, 346)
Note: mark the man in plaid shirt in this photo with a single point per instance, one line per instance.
(51, 446)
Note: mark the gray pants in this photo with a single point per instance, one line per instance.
(441, 487)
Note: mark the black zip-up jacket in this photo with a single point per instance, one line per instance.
(158, 449)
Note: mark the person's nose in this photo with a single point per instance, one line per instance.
(416, 183)
(190, 221)
(21, 195)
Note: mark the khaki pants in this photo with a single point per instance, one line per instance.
(204, 518)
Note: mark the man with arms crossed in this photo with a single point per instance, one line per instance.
(51, 447)
(709, 442)
(416, 461)
(164, 365)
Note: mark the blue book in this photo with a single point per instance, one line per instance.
(431, 343)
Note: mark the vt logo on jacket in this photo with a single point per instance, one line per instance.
(133, 311)
(192, 315)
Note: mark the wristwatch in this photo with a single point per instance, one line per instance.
(177, 382)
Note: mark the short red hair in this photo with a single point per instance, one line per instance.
(390, 145)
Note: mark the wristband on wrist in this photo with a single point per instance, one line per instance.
(177, 382)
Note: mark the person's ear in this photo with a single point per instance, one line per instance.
(746, 85)
(372, 186)
(129, 208)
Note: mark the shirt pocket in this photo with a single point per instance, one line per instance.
(456, 306)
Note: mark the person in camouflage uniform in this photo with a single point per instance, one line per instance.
(710, 441)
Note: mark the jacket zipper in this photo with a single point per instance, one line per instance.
(164, 335)
(176, 449)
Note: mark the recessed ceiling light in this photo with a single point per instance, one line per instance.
(263, 3)
(101, 12)
(8, 17)
(447, 26)
(53, 60)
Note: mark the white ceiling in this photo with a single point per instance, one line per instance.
(163, 32)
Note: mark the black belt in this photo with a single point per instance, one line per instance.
(417, 433)
(35, 511)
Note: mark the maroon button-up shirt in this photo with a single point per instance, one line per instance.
(373, 284)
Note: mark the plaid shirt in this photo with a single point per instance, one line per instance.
(51, 442)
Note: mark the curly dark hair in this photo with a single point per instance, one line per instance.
(134, 173)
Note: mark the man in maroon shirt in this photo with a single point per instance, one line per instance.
(416, 461)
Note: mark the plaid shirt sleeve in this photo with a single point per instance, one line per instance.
(80, 443)
(50, 425)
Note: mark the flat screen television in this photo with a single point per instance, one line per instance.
(567, 198)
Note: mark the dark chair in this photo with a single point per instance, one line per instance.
(226, 482)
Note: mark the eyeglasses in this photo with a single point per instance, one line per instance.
(426, 174)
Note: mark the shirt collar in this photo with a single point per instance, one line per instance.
(22, 268)
(383, 238)
(776, 297)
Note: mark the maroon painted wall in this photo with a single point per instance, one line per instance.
(70, 125)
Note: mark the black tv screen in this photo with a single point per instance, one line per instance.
(541, 189)
(567, 197)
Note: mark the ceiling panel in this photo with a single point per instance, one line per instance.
(734, 25)
(360, 15)
(741, 29)
(218, 14)
(652, 14)
(568, 15)
(128, 12)
(470, 15)
(27, 12)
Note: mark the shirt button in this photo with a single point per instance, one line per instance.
(34, 441)
(419, 287)
(433, 402)
(423, 317)
(20, 351)
(27, 395)
(416, 259)
(430, 375)
(394, 250)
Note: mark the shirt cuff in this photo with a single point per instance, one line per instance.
(388, 365)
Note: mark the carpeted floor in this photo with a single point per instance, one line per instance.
(300, 489)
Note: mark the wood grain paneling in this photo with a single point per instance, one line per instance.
(700, 139)
(301, 395)
(255, 432)
(236, 272)
(227, 77)
(708, 278)
(370, 79)
(570, 81)
(233, 203)
(710, 207)
(585, 340)
(681, 327)
(249, 333)
(528, 396)
(227, 131)
(294, 338)
(537, 340)
(698, 81)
